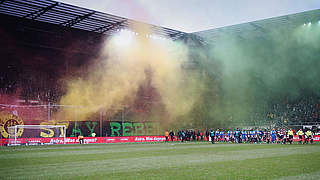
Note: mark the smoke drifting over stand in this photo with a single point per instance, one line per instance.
(231, 81)
(255, 72)
(128, 61)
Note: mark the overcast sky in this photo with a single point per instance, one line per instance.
(197, 15)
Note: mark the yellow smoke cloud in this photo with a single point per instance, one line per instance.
(116, 76)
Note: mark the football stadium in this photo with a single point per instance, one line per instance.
(92, 94)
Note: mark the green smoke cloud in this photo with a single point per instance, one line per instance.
(245, 76)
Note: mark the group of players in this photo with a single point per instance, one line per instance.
(279, 136)
(274, 136)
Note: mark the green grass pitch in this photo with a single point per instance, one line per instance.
(188, 160)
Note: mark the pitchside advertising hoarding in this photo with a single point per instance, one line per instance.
(94, 140)
(112, 132)
(86, 140)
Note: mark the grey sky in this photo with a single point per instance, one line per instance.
(197, 15)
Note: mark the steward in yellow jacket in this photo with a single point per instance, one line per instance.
(300, 134)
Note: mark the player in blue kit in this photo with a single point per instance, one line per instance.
(251, 136)
(261, 134)
(248, 136)
(256, 135)
(273, 136)
(221, 135)
(237, 135)
(244, 136)
(217, 135)
(230, 137)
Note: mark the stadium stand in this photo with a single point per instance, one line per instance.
(48, 36)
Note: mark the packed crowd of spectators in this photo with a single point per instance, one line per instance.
(302, 111)
(28, 90)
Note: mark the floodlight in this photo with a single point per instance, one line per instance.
(123, 38)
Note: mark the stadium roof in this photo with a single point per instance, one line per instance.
(261, 27)
(67, 15)
(74, 17)
(197, 15)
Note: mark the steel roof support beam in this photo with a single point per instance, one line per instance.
(36, 14)
(109, 27)
(176, 35)
(2, 1)
(76, 20)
